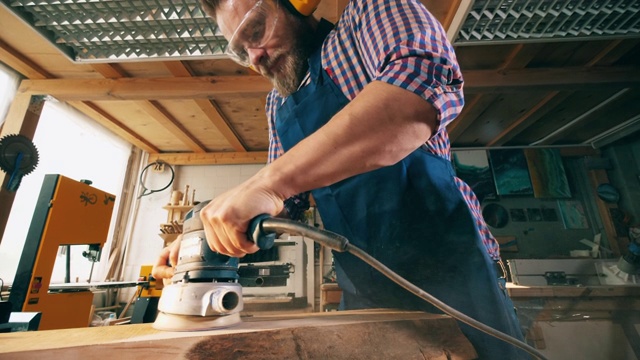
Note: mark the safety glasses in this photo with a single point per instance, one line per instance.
(254, 31)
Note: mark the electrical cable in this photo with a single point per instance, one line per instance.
(341, 244)
(158, 164)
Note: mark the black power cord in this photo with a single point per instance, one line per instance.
(264, 227)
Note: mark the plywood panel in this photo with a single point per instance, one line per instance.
(482, 57)
(145, 69)
(573, 107)
(144, 125)
(504, 110)
(247, 117)
(617, 112)
(197, 124)
(218, 67)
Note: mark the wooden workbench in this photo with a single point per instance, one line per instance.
(376, 334)
(580, 322)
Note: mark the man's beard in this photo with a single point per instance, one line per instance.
(294, 65)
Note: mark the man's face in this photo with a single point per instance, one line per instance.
(268, 38)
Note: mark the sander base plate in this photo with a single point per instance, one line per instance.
(172, 322)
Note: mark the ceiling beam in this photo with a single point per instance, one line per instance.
(21, 64)
(521, 58)
(518, 58)
(147, 88)
(474, 106)
(209, 108)
(228, 158)
(208, 86)
(557, 134)
(567, 78)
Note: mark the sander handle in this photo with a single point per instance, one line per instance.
(258, 235)
(262, 231)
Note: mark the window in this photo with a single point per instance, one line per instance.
(69, 144)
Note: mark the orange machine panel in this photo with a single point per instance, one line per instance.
(78, 214)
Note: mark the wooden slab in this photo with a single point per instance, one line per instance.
(336, 335)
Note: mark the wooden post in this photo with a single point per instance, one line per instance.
(617, 243)
(22, 119)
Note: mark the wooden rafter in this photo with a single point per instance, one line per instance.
(223, 158)
(147, 88)
(164, 118)
(156, 112)
(22, 119)
(518, 58)
(573, 78)
(208, 86)
(525, 121)
(21, 64)
(105, 119)
(209, 108)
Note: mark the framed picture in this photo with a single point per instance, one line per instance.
(472, 167)
(572, 214)
(548, 177)
(510, 172)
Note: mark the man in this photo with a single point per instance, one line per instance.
(358, 117)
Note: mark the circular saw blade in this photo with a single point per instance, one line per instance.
(17, 146)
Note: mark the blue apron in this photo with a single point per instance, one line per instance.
(410, 216)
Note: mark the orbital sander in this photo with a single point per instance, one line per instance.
(204, 292)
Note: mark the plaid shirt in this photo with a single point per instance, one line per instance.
(400, 43)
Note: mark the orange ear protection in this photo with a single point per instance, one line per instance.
(304, 7)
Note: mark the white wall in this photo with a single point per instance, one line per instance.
(9, 81)
(208, 182)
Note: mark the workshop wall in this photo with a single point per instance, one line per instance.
(538, 228)
(535, 227)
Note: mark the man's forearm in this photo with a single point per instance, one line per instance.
(380, 127)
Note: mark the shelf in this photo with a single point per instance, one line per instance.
(168, 238)
(178, 207)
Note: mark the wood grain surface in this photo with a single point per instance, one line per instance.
(336, 335)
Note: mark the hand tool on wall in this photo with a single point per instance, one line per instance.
(204, 293)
